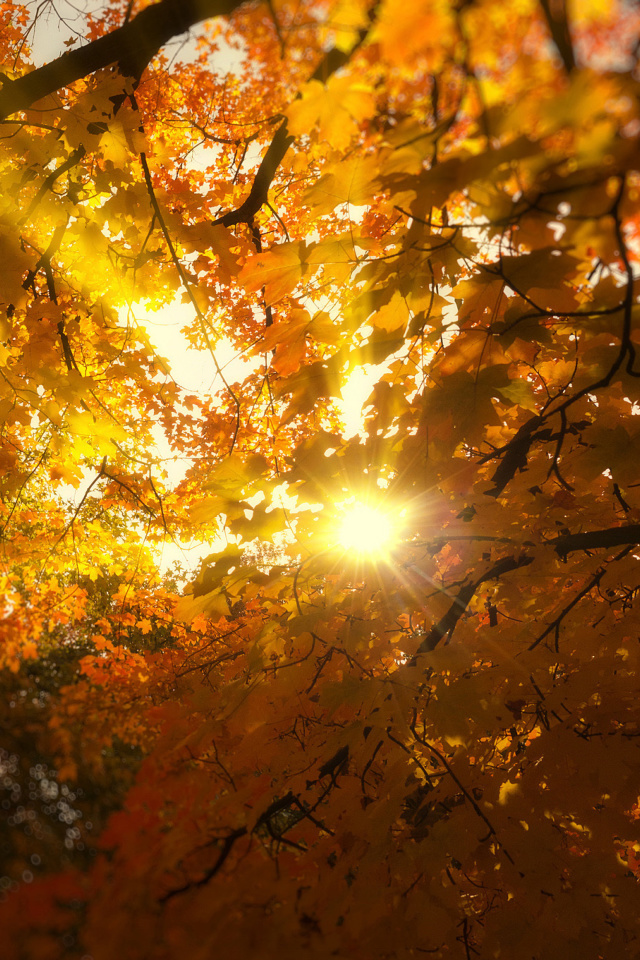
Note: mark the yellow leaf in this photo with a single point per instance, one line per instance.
(284, 331)
(91, 434)
(234, 474)
(337, 107)
(507, 790)
(337, 257)
(205, 236)
(349, 181)
(392, 315)
(347, 19)
(278, 270)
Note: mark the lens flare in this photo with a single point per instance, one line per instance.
(365, 530)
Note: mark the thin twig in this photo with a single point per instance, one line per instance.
(187, 285)
(554, 626)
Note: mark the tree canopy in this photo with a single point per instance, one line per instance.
(318, 743)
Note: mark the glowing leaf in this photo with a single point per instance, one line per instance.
(279, 270)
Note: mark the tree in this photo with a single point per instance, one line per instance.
(322, 750)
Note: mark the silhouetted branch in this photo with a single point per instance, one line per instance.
(131, 46)
(447, 623)
(554, 626)
(263, 179)
(595, 539)
(556, 17)
(282, 140)
(225, 850)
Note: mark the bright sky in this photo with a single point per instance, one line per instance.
(193, 370)
(58, 20)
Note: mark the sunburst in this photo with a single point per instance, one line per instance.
(366, 529)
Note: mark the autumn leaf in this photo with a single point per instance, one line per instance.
(349, 182)
(426, 30)
(279, 270)
(337, 108)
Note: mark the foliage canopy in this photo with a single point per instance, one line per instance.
(310, 750)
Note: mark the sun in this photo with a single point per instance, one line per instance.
(365, 529)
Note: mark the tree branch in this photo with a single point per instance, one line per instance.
(565, 544)
(556, 16)
(447, 623)
(188, 288)
(468, 795)
(594, 539)
(282, 140)
(554, 626)
(47, 184)
(258, 195)
(131, 46)
(226, 845)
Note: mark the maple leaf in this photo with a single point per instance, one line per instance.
(278, 270)
(337, 107)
